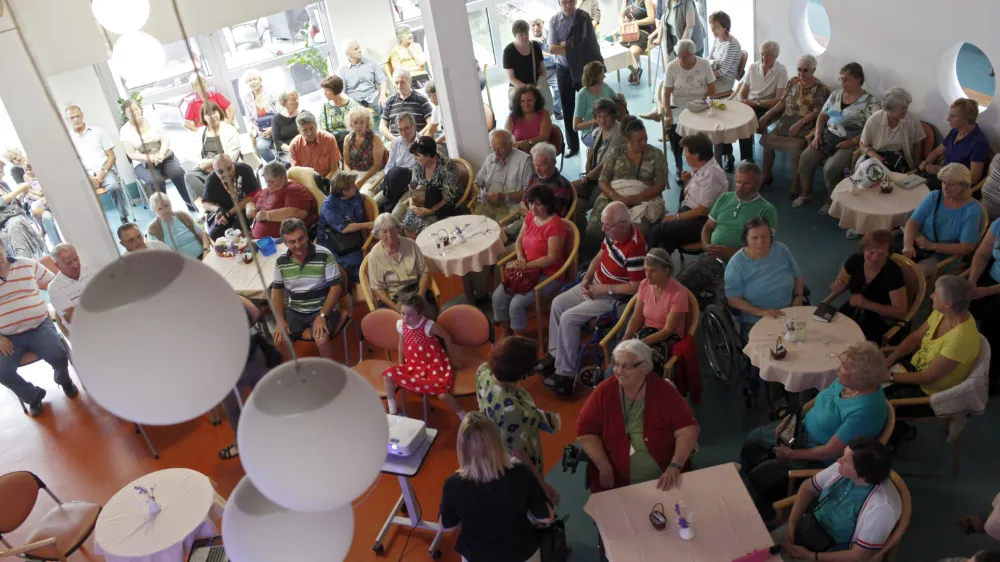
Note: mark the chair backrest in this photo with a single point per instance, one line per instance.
(466, 324)
(571, 211)
(890, 424)
(743, 65)
(571, 249)
(930, 138)
(379, 329)
(556, 139)
(916, 284)
(491, 119)
(892, 542)
(366, 289)
(371, 213)
(465, 175)
(19, 491)
(971, 395)
(694, 312)
(307, 178)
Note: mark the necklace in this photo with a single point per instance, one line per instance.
(848, 393)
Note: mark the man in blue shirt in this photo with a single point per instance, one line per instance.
(559, 28)
(364, 81)
(537, 34)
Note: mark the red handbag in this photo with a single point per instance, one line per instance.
(520, 281)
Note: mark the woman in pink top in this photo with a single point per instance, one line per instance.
(660, 308)
(540, 245)
(528, 121)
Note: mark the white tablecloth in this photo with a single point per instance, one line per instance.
(737, 121)
(871, 209)
(615, 56)
(809, 364)
(127, 532)
(482, 247)
(243, 277)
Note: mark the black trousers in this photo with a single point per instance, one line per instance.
(675, 147)
(987, 312)
(746, 145)
(872, 325)
(671, 235)
(567, 96)
(898, 390)
(395, 184)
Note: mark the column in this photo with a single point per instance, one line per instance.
(457, 78)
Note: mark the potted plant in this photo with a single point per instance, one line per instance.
(309, 65)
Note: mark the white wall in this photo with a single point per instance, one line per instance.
(742, 15)
(376, 37)
(906, 43)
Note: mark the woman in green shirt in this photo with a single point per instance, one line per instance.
(593, 89)
(333, 118)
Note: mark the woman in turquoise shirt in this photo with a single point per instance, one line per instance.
(593, 89)
(177, 229)
(763, 277)
(946, 223)
(985, 277)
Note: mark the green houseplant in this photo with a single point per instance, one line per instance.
(310, 57)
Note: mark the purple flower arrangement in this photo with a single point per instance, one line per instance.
(150, 493)
(682, 522)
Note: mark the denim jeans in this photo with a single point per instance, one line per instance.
(264, 149)
(550, 77)
(117, 192)
(515, 307)
(43, 341)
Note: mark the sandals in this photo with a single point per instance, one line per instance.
(635, 77)
(230, 452)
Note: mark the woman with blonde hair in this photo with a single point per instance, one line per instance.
(361, 152)
(491, 498)
(261, 104)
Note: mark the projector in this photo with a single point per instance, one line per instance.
(406, 435)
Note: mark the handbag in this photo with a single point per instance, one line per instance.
(811, 535)
(520, 281)
(553, 546)
(630, 32)
(340, 243)
(792, 435)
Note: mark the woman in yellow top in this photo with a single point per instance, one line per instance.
(409, 55)
(943, 350)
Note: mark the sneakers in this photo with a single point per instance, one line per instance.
(559, 385)
(70, 390)
(547, 365)
(35, 408)
(800, 201)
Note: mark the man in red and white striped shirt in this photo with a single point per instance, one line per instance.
(25, 326)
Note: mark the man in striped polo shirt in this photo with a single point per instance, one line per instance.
(25, 326)
(405, 100)
(311, 276)
(613, 275)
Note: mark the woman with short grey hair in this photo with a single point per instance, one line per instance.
(893, 136)
(408, 55)
(763, 87)
(388, 222)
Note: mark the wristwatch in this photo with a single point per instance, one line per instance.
(610, 290)
(322, 315)
(675, 465)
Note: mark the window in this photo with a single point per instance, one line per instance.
(975, 74)
(177, 70)
(810, 25)
(404, 10)
(819, 22)
(254, 41)
(507, 13)
(482, 37)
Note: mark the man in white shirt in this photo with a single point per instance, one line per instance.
(70, 282)
(503, 178)
(131, 238)
(97, 152)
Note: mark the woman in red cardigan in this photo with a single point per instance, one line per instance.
(627, 442)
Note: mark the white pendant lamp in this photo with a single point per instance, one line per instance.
(313, 435)
(256, 529)
(139, 57)
(121, 16)
(159, 338)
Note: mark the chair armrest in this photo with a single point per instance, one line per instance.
(926, 401)
(947, 262)
(890, 348)
(506, 259)
(27, 548)
(891, 333)
(783, 504)
(830, 298)
(510, 218)
(803, 473)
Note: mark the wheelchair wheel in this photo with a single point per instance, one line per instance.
(591, 376)
(722, 343)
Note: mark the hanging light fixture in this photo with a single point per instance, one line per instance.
(136, 342)
(139, 57)
(121, 16)
(313, 435)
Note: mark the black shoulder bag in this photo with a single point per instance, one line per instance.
(809, 532)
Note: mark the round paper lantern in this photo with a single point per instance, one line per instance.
(121, 16)
(159, 338)
(313, 435)
(138, 57)
(255, 529)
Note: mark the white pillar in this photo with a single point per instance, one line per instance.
(457, 78)
(45, 138)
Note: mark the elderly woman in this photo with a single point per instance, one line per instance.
(523, 59)
(283, 127)
(641, 13)
(342, 227)
(148, 146)
(18, 161)
(333, 116)
(763, 88)
(529, 121)
(408, 55)
(940, 354)
(17, 232)
(627, 442)
(795, 114)
(511, 408)
(688, 78)
(892, 135)
(702, 187)
(261, 104)
(606, 135)
(435, 188)
(763, 277)
(543, 159)
(217, 137)
(177, 229)
(635, 174)
(396, 265)
(661, 306)
(985, 277)
(838, 133)
(965, 144)
(362, 153)
(877, 286)
(489, 500)
(946, 223)
(853, 406)
(593, 89)
(541, 249)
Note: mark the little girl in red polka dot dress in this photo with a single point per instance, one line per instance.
(426, 368)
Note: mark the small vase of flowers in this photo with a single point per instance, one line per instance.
(683, 523)
(150, 497)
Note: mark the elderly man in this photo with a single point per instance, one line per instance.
(314, 148)
(219, 204)
(405, 100)
(70, 282)
(25, 326)
(283, 199)
(613, 276)
(393, 192)
(310, 275)
(396, 265)
(97, 152)
(131, 238)
(722, 235)
(364, 81)
(192, 116)
(503, 178)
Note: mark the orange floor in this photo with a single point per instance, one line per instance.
(84, 453)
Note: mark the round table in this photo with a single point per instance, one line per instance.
(127, 532)
(482, 247)
(809, 364)
(870, 209)
(737, 121)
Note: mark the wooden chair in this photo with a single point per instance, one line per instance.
(489, 96)
(307, 178)
(466, 175)
(378, 329)
(567, 273)
(369, 295)
(956, 265)
(346, 306)
(556, 140)
(371, 213)
(58, 534)
(693, 315)
(731, 94)
(491, 119)
(976, 189)
(891, 547)
(469, 330)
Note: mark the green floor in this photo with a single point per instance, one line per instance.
(819, 246)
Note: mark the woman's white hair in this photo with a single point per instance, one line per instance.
(865, 363)
(544, 148)
(158, 198)
(896, 98)
(403, 29)
(386, 220)
(957, 291)
(772, 46)
(401, 73)
(252, 73)
(638, 349)
(808, 59)
(686, 46)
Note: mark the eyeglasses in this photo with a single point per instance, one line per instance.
(615, 365)
(609, 227)
(132, 240)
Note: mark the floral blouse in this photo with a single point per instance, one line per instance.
(514, 412)
(361, 158)
(802, 100)
(334, 118)
(849, 121)
(652, 168)
(443, 185)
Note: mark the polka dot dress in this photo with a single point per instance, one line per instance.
(427, 369)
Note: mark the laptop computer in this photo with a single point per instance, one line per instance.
(203, 551)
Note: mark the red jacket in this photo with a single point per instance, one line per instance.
(687, 375)
(664, 413)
